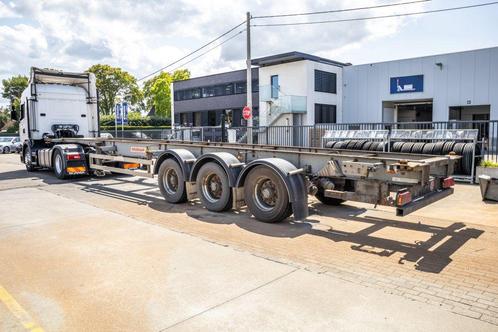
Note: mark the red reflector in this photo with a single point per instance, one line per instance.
(448, 182)
(403, 198)
(73, 157)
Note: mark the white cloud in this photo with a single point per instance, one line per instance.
(141, 36)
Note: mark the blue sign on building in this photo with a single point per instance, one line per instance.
(406, 84)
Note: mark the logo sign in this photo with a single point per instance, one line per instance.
(246, 113)
(406, 84)
(122, 113)
(119, 116)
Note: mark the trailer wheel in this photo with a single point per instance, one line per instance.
(172, 182)
(328, 200)
(27, 160)
(266, 195)
(59, 166)
(213, 188)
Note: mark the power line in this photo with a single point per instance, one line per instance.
(377, 17)
(202, 54)
(193, 52)
(342, 10)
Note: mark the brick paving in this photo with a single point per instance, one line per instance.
(449, 263)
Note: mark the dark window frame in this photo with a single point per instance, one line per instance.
(325, 81)
(325, 113)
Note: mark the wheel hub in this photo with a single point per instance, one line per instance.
(266, 194)
(212, 187)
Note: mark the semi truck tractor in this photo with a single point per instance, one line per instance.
(59, 128)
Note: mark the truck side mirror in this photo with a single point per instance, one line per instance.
(13, 115)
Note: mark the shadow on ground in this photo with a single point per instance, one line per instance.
(431, 255)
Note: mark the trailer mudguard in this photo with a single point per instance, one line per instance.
(183, 157)
(228, 161)
(294, 182)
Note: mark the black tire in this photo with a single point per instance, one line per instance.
(27, 160)
(359, 145)
(397, 146)
(330, 144)
(428, 147)
(458, 149)
(6, 150)
(438, 148)
(374, 146)
(213, 188)
(448, 147)
(367, 146)
(407, 147)
(351, 145)
(381, 147)
(59, 165)
(274, 208)
(337, 145)
(171, 182)
(328, 200)
(418, 148)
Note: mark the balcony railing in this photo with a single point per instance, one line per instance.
(283, 103)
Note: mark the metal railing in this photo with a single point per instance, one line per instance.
(311, 136)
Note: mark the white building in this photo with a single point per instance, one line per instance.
(454, 86)
(299, 89)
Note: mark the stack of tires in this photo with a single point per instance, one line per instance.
(463, 167)
(357, 145)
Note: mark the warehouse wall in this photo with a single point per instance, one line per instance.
(465, 79)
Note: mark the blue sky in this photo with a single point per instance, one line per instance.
(141, 36)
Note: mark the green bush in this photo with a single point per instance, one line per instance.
(489, 163)
(135, 119)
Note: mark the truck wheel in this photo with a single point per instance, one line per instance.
(6, 150)
(213, 188)
(27, 160)
(172, 182)
(266, 195)
(328, 200)
(59, 165)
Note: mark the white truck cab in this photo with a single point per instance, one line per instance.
(56, 104)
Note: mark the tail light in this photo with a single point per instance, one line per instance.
(74, 156)
(448, 182)
(403, 198)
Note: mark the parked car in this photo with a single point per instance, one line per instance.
(10, 144)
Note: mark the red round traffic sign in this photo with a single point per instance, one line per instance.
(246, 113)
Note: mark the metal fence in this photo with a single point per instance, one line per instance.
(311, 136)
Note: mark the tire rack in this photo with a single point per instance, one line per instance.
(441, 135)
(369, 135)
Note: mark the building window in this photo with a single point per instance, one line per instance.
(211, 118)
(274, 86)
(240, 87)
(325, 113)
(325, 82)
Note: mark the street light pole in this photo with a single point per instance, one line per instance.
(249, 77)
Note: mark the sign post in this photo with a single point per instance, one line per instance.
(124, 117)
(117, 119)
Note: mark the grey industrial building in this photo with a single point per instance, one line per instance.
(454, 86)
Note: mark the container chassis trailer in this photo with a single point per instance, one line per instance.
(272, 181)
(59, 130)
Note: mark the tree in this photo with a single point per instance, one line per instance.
(13, 88)
(113, 82)
(157, 91)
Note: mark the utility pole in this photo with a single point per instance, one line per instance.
(249, 77)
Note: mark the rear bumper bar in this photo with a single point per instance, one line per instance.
(422, 201)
